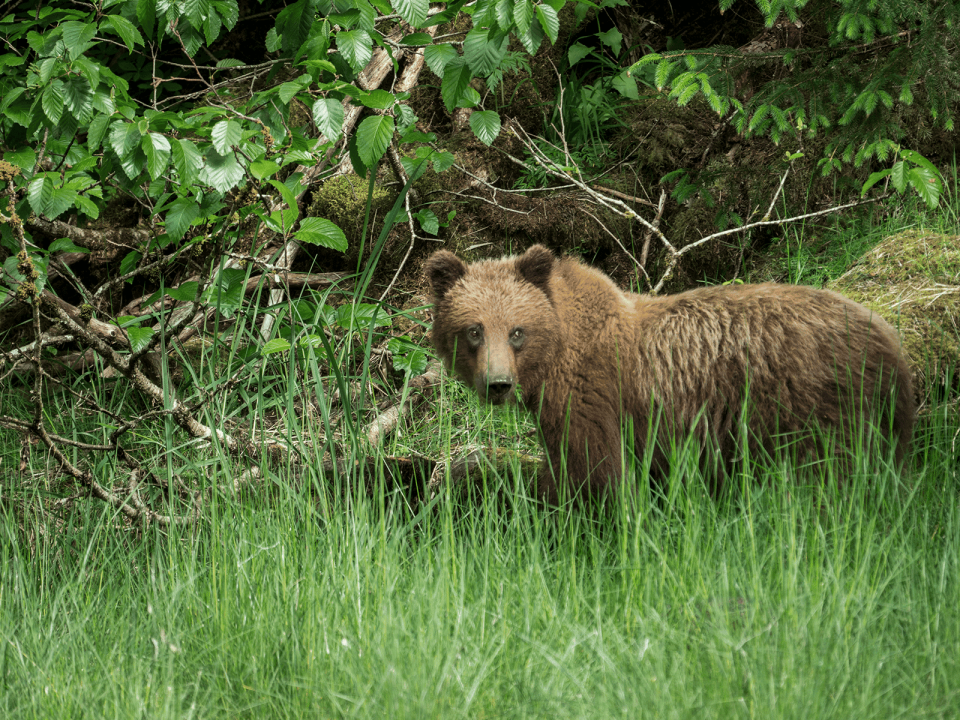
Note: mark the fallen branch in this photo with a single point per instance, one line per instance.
(619, 207)
(386, 422)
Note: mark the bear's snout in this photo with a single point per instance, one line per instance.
(496, 389)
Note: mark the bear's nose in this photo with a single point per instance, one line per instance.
(499, 389)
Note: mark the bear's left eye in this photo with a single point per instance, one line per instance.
(517, 338)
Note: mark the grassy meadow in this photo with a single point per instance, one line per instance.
(796, 594)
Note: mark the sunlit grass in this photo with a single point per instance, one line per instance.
(783, 598)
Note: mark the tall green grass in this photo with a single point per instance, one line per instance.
(786, 598)
(314, 594)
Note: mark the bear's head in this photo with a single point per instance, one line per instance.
(495, 324)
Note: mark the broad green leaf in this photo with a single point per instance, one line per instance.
(52, 101)
(12, 95)
(229, 11)
(918, 159)
(415, 136)
(438, 57)
(46, 68)
(40, 192)
(211, 28)
(11, 60)
(192, 38)
(274, 346)
(874, 179)
(482, 53)
(281, 221)
(147, 15)
(576, 53)
(485, 125)
(319, 231)
(407, 357)
(187, 160)
(226, 134)
(355, 47)
(134, 163)
(222, 172)
(328, 115)
(377, 99)
(898, 176)
(456, 79)
(549, 21)
(311, 340)
(414, 12)
(926, 184)
(289, 199)
(416, 39)
(626, 85)
(126, 30)
(129, 262)
(124, 137)
(442, 160)
(185, 292)
(288, 90)
(504, 13)
(196, 11)
(428, 221)
(180, 216)
(361, 316)
(273, 40)
(294, 22)
(373, 137)
(414, 167)
(532, 38)
(139, 337)
(103, 103)
(226, 291)
(66, 245)
(470, 98)
(24, 158)
(406, 117)
(613, 39)
(77, 37)
(263, 168)
(349, 19)
(157, 149)
(522, 15)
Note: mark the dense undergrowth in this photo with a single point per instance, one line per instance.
(787, 597)
(798, 593)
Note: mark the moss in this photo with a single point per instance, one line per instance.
(913, 280)
(343, 200)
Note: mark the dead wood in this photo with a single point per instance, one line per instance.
(386, 422)
(105, 244)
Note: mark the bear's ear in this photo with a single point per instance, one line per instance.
(443, 269)
(536, 266)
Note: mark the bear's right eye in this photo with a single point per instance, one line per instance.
(474, 335)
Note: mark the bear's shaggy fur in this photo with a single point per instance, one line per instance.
(588, 356)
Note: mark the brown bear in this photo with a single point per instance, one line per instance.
(588, 357)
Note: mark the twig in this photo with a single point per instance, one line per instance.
(386, 421)
(621, 209)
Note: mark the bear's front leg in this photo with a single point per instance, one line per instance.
(584, 457)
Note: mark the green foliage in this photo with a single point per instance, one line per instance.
(912, 170)
(303, 597)
(85, 124)
(853, 89)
